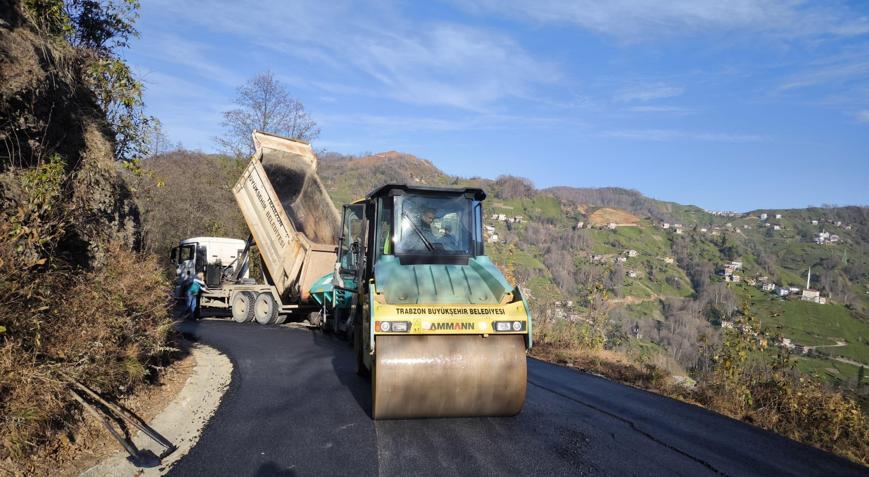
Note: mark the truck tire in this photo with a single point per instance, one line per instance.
(281, 319)
(265, 309)
(242, 307)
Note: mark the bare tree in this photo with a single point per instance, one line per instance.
(265, 105)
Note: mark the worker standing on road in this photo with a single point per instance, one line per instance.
(197, 286)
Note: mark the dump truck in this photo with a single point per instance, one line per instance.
(294, 225)
(434, 323)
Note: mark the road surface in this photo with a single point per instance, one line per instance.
(296, 407)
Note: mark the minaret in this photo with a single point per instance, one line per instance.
(809, 280)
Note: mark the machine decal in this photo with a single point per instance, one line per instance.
(452, 319)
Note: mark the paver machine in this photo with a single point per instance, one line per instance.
(437, 326)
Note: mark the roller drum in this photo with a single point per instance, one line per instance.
(448, 376)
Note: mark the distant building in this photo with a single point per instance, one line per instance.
(632, 273)
(782, 291)
(813, 296)
(778, 216)
(751, 281)
(631, 253)
(776, 227)
(736, 264)
(787, 343)
(580, 224)
(622, 259)
(679, 231)
(704, 230)
(611, 226)
(763, 216)
(814, 222)
(665, 225)
(668, 260)
(768, 287)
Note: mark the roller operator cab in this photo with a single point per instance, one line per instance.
(435, 323)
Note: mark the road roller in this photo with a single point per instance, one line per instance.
(434, 323)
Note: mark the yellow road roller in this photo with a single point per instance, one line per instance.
(435, 324)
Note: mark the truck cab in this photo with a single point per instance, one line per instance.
(209, 255)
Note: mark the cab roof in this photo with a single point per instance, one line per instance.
(400, 189)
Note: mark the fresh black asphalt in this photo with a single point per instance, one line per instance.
(296, 407)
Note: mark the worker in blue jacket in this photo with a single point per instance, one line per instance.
(197, 286)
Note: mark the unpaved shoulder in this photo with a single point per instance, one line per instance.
(182, 421)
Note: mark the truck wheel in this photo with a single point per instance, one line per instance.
(242, 307)
(281, 319)
(265, 309)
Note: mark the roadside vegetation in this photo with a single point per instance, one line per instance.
(77, 298)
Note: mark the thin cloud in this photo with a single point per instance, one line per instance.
(413, 61)
(862, 116)
(647, 93)
(642, 19)
(668, 135)
(661, 109)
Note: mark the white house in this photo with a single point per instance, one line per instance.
(814, 222)
(813, 296)
(768, 287)
(632, 273)
(611, 226)
(631, 253)
(776, 227)
(665, 225)
(580, 224)
(782, 291)
(668, 260)
(777, 216)
(763, 216)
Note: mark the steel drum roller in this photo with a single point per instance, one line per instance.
(448, 376)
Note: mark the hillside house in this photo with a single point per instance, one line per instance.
(704, 230)
(669, 260)
(782, 291)
(665, 225)
(679, 231)
(751, 282)
(611, 226)
(814, 222)
(778, 216)
(768, 287)
(500, 217)
(763, 216)
(632, 274)
(813, 296)
(622, 259)
(838, 223)
(787, 343)
(776, 227)
(732, 278)
(736, 264)
(631, 253)
(580, 225)
(794, 290)
(763, 279)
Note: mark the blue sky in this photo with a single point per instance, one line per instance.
(730, 105)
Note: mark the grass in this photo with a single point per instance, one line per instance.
(813, 324)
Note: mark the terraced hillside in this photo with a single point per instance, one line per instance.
(662, 264)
